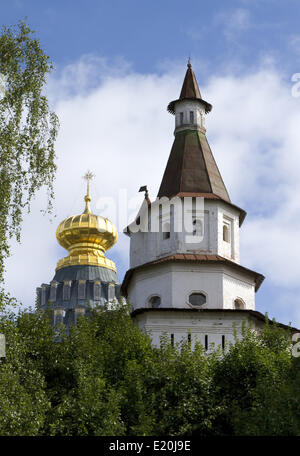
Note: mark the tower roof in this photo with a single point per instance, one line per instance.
(190, 91)
(191, 168)
(193, 258)
(190, 88)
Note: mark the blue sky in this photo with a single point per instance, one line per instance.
(147, 34)
(118, 64)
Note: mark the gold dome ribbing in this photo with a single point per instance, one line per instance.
(86, 236)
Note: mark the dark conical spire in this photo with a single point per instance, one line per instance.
(191, 168)
(190, 87)
(190, 90)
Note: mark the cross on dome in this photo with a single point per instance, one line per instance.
(88, 177)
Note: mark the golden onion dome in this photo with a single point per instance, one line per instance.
(86, 236)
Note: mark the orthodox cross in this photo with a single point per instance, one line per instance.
(88, 177)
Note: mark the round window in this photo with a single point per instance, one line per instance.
(239, 304)
(154, 301)
(197, 299)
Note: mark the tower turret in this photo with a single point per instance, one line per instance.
(178, 269)
(190, 108)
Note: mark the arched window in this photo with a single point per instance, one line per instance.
(53, 291)
(67, 290)
(59, 315)
(226, 237)
(197, 299)
(43, 294)
(111, 291)
(97, 290)
(181, 118)
(166, 231)
(191, 117)
(154, 302)
(239, 304)
(81, 289)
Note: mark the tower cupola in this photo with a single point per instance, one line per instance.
(190, 108)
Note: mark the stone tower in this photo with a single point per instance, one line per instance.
(188, 282)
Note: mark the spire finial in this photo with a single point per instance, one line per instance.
(88, 177)
(189, 65)
(144, 189)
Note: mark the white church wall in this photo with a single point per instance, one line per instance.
(190, 278)
(236, 286)
(148, 283)
(174, 282)
(228, 217)
(146, 247)
(203, 327)
(184, 118)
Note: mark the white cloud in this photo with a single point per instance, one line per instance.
(294, 44)
(233, 22)
(120, 129)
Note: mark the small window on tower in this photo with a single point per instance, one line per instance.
(191, 117)
(223, 342)
(97, 290)
(239, 304)
(44, 290)
(166, 231)
(197, 299)
(172, 340)
(154, 302)
(53, 290)
(59, 315)
(111, 291)
(81, 289)
(67, 290)
(226, 234)
(181, 118)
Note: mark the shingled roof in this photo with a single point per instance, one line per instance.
(190, 91)
(191, 168)
(196, 258)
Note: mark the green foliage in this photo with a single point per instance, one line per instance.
(23, 396)
(28, 130)
(105, 378)
(255, 380)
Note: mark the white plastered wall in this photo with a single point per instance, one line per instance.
(214, 325)
(149, 246)
(173, 282)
